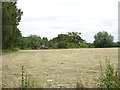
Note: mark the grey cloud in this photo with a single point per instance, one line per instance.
(57, 27)
(27, 19)
(109, 22)
(52, 19)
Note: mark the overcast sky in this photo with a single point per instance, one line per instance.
(48, 18)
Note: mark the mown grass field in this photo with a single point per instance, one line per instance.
(58, 67)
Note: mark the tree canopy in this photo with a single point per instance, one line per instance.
(11, 16)
(103, 39)
(69, 40)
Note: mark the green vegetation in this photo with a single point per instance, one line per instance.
(11, 16)
(31, 42)
(69, 40)
(109, 77)
(103, 39)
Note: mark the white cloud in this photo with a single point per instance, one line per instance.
(51, 17)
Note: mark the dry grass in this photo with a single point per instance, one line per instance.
(57, 68)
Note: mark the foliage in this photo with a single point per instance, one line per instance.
(70, 40)
(75, 37)
(61, 37)
(103, 39)
(25, 42)
(62, 45)
(44, 41)
(72, 45)
(11, 16)
(84, 45)
(116, 44)
(52, 44)
(32, 41)
(109, 77)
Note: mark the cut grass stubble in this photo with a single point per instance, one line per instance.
(56, 68)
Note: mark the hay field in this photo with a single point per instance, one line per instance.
(58, 67)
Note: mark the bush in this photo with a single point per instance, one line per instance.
(72, 45)
(10, 50)
(109, 77)
(62, 45)
(84, 45)
(15, 49)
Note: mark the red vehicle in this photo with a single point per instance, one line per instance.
(42, 47)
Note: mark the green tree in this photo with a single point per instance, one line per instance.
(70, 40)
(61, 37)
(24, 43)
(44, 41)
(75, 37)
(52, 44)
(34, 41)
(11, 16)
(62, 45)
(84, 45)
(103, 39)
(116, 44)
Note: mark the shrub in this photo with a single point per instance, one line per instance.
(62, 45)
(15, 49)
(109, 77)
(84, 45)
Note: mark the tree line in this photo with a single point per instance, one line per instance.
(12, 37)
(69, 40)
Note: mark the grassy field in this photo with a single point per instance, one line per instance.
(58, 67)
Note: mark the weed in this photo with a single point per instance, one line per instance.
(109, 77)
(80, 85)
(27, 81)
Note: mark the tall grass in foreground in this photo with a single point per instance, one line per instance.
(27, 81)
(109, 77)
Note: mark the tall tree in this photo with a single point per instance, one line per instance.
(103, 39)
(11, 17)
(34, 41)
(44, 41)
(76, 37)
(69, 40)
